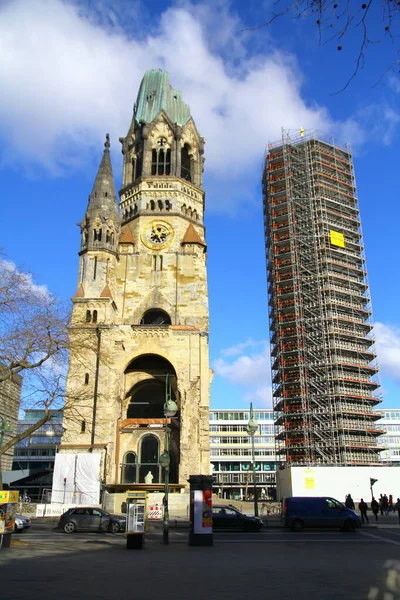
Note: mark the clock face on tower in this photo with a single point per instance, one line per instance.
(157, 235)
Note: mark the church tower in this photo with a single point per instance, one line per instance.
(142, 303)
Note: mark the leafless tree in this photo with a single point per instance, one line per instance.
(344, 21)
(35, 344)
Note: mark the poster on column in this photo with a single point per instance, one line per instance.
(202, 511)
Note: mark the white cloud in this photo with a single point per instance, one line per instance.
(252, 372)
(388, 346)
(238, 348)
(23, 280)
(68, 76)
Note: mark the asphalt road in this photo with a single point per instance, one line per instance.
(327, 565)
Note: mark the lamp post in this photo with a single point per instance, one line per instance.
(251, 429)
(170, 410)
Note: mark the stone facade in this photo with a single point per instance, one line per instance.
(10, 398)
(142, 298)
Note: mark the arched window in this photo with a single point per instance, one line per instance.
(168, 205)
(160, 205)
(168, 162)
(97, 235)
(184, 209)
(86, 378)
(186, 163)
(155, 316)
(88, 316)
(149, 459)
(161, 162)
(149, 449)
(128, 468)
(152, 205)
(94, 320)
(154, 162)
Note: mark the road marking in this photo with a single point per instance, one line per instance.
(381, 539)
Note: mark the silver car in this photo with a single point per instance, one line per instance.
(87, 518)
(21, 523)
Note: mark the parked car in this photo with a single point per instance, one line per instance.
(299, 512)
(87, 518)
(228, 517)
(21, 523)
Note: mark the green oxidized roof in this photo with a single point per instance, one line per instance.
(155, 94)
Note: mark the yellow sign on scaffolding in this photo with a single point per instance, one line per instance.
(337, 239)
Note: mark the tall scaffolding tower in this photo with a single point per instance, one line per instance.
(324, 369)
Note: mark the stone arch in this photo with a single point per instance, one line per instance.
(149, 458)
(156, 298)
(155, 316)
(129, 467)
(149, 380)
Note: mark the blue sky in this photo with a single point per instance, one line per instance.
(70, 72)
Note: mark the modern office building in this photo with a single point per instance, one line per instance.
(390, 439)
(324, 369)
(34, 456)
(231, 454)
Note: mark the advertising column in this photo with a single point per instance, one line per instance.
(201, 530)
(8, 510)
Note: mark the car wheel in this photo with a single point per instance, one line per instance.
(297, 525)
(114, 527)
(349, 526)
(16, 530)
(69, 527)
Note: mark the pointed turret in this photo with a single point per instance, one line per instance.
(103, 199)
(100, 226)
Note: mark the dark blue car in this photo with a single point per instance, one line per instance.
(299, 512)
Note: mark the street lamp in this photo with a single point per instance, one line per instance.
(251, 429)
(170, 410)
(5, 427)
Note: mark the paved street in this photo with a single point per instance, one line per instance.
(271, 564)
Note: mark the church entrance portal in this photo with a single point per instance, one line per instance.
(151, 379)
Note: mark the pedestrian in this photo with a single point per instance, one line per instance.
(349, 503)
(390, 503)
(363, 507)
(385, 504)
(381, 504)
(375, 507)
(397, 507)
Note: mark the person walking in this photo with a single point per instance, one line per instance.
(375, 508)
(397, 507)
(390, 503)
(381, 504)
(363, 507)
(385, 504)
(349, 503)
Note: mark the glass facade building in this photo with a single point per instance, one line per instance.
(231, 454)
